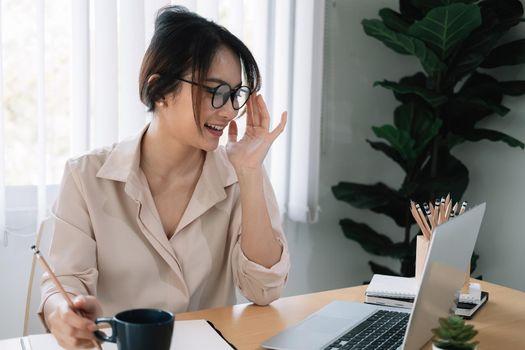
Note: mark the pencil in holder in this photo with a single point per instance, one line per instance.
(421, 254)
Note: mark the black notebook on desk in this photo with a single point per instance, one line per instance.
(465, 310)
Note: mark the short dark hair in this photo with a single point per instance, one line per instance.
(184, 41)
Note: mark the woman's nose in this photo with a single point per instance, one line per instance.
(227, 111)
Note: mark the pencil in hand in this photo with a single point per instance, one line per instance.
(59, 286)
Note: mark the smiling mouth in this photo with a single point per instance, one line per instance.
(215, 130)
(214, 127)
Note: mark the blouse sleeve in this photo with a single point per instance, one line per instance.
(257, 283)
(72, 253)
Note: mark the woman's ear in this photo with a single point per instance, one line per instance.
(161, 102)
(152, 78)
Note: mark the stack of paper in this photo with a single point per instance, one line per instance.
(391, 291)
(187, 335)
(401, 292)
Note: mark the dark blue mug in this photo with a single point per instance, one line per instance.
(139, 329)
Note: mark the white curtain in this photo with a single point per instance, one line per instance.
(108, 39)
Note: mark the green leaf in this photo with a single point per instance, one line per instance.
(389, 152)
(474, 49)
(371, 241)
(494, 107)
(419, 80)
(513, 88)
(419, 121)
(380, 269)
(394, 20)
(509, 12)
(400, 140)
(487, 87)
(497, 17)
(404, 44)
(459, 114)
(508, 54)
(429, 96)
(378, 198)
(430, 4)
(492, 135)
(404, 116)
(483, 90)
(429, 128)
(363, 196)
(445, 27)
(482, 86)
(452, 176)
(409, 11)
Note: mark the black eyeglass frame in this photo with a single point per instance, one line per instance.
(213, 91)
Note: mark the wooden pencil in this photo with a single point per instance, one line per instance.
(57, 283)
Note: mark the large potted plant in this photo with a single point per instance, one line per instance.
(457, 43)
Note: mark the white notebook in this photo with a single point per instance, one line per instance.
(187, 335)
(392, 287)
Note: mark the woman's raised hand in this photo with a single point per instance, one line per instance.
(249, 152)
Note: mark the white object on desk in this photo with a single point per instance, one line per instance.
(392, 287)
(194, 334)
(473, 296)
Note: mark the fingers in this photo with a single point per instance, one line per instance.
(73, 331)
(280, 128)
(249, 112)
(264, 116)
(255, 109)
(89, 305)
(77, 321)
(232, 132)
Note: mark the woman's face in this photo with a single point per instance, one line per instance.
(178, 111)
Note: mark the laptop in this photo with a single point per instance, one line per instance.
(350, 325)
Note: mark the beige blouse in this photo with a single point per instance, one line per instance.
(109, 241)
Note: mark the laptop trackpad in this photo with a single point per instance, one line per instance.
(312, 333)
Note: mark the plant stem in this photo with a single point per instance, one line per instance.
(436, 141)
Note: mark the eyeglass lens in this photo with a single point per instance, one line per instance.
(238, 96)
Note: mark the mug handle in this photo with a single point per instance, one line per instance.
(101, 336)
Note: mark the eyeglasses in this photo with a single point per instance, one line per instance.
(222, 93)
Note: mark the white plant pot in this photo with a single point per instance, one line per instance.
(434, 347)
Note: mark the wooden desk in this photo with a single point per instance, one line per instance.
(501, 322)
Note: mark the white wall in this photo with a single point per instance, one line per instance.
(16, 256)
(322, 258)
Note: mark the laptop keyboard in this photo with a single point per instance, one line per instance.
(382, 330)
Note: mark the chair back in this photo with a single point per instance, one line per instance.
(32, 323)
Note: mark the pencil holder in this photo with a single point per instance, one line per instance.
(421, 255)
(466, 283)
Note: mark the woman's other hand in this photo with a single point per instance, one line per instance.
(73, 328)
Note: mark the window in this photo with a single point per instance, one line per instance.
(69, 84)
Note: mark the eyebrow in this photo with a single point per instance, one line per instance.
(220, 81)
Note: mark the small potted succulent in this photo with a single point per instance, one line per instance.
(454, 334)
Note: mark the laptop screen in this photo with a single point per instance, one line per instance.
(447, 261)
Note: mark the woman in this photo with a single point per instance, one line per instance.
(168, 219)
